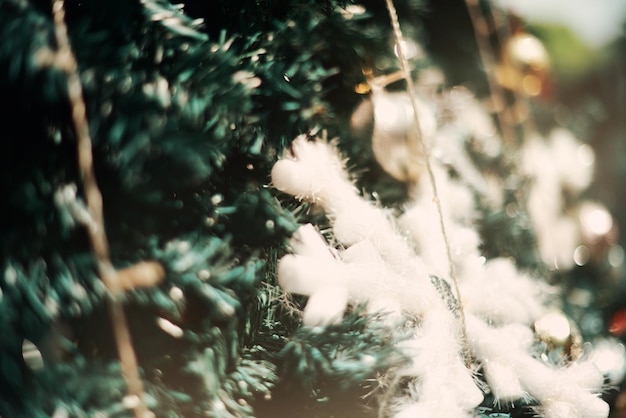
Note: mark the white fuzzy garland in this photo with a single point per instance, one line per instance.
(555, 165)
(398, 266)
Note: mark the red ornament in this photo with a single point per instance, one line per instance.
(617, 325)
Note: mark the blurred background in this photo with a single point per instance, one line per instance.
(585, 78)
(577, 60)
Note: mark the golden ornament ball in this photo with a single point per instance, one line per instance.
(560, 334)
(525, 64)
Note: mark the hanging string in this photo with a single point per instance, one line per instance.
(64, 59)
(404, 64)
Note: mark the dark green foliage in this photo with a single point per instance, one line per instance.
(186, 120)
(338, 356)
(337, 366)
(508, 233)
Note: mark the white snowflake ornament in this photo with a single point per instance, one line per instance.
(398, 265)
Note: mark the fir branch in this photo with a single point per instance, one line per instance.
(339, 358)
(172, 18)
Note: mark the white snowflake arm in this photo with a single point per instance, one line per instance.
(380, 267)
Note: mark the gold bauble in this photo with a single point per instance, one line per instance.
(524, 65)
(559, 334)
(527, 53)
(395, 140)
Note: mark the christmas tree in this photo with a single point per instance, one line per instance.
(298, 208)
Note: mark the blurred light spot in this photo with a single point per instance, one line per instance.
(580, 297)
(61, 412)
(10, 275)
(410, 49)
(582, 255)
(529, 51)
(176, 293)
(32, 356)
(106, 108)
(554, 326)
(597, 220)
(219, 406)
(616, 256)
(78, 291)
(362, 88)
(531, 85)
(511, 210)
(562, 115)
(131, 401)
(217, 199)
(368, 359)
(247, 79)
(225, 308)
(585, 154)
(592, 323)
(351, 11)
(174, 330)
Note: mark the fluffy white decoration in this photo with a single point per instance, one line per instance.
(557, 164)
(307, 241)
(563, 393)
(402, 269)
(558, 396)
(503, 381)
(471, 118)
(326, 306)
(502, 295)
(575, 168)
(310, 170)
(450, 150)
(609, 356)
(361, 252)
(396, 273)
(421, 223)
(457, 201)
(468, 119)
(589, 408)
(586, 375)
(441, 372)
(355, 223)
(305, 275)
(439, 408)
